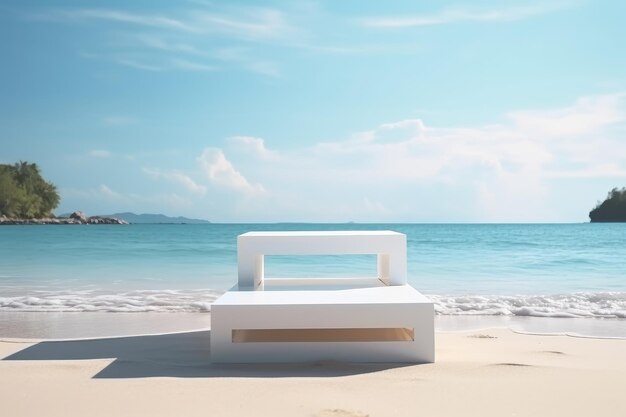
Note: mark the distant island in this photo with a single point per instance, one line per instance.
(155, 219)
(613, 209)
(145, 218)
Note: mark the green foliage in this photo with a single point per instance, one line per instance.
(613, 209)
(24, 193)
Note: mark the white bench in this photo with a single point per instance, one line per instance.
(380, 319)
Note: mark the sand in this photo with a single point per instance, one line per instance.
(491, 372)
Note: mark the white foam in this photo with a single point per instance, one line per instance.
(101, 301)
(601, 305)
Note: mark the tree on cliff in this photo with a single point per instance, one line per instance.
(24, 193)
(613, 209)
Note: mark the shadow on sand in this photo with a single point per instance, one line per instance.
(183, 355)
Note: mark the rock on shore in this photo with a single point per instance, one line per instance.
(77, 217)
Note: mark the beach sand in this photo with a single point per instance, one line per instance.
(493, 372)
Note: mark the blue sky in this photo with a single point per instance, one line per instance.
(396, 111)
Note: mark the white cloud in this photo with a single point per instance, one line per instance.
(99, 153)
(157, 42)
(155, 64)
(184, 31)
(253, 145)
(154, 21)
(249, 24)
(587, 115)
(178, 177)
(409, 149)
(107, 192)
(457, 15)
(599, 170)
(497, 172)
(188, 31)
(220, 171)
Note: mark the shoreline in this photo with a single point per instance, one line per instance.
(61, 221)
(88, 325)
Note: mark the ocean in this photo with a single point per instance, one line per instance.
(557, 278)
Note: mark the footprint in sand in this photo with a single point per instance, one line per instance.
(338, 412)
(511, 364)
(482, 336)
(554, 352)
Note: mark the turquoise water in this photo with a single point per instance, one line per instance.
(552, 270)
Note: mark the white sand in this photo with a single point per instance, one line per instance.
(482, 373)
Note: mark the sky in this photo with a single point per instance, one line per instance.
(319, 111)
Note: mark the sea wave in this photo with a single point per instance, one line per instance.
(122, 302)
(588, 304)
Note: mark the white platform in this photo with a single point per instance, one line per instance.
(347, 319)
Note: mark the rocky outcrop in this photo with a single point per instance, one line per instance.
(105, 220)
(78, 217)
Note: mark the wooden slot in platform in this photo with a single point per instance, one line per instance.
(398, 334)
